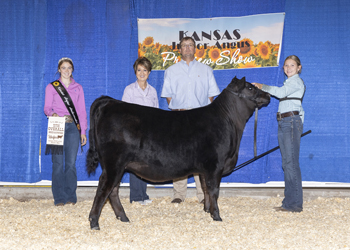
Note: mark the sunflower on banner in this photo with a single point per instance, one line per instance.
(263, 54)
(221, 43)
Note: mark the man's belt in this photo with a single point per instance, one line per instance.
(287, 114)
(179, 109)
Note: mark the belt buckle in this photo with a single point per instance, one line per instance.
(279, 117)
(68, 119)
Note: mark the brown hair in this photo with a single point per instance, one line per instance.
(143, 61)
(186, 38)
(295, 59)
(65, 59)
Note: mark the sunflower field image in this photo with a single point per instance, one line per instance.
(233, 55)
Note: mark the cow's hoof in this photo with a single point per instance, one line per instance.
(123, 219)
(217, 219)
(94, 224)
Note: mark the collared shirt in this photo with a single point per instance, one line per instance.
(292, 87)
(134, 94)
(189, 86)
(54, 103)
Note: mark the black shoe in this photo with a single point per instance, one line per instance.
(176, 200)
(59, 204)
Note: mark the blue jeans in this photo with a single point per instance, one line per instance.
(64, 173)
(289, 133)
(137, 189)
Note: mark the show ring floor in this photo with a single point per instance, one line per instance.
(260, 191)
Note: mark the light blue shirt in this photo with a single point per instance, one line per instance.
(292, 87)
(189, 86)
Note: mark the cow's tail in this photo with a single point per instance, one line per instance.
(92, 158)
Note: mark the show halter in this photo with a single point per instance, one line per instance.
(256, 113)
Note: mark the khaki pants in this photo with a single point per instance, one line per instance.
(180, 188)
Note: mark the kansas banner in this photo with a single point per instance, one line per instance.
(221, 43)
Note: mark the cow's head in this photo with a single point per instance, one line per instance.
(244, 89)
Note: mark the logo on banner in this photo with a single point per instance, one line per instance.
(254, 42)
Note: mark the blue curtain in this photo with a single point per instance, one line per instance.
(101, 38)
(22, 51)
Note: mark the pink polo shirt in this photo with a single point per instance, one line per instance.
(54, 103)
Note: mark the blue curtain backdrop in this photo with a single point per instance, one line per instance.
(101, 38)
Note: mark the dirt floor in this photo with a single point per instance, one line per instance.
(248, 223)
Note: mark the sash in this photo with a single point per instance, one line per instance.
(67, 100)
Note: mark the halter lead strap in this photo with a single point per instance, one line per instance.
(255, 119)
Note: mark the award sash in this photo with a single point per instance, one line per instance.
(67, 100)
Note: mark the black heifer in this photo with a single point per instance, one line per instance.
(160, 145)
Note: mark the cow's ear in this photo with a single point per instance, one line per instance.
(243, 79)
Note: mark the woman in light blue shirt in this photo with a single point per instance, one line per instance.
(141, 93)
(290, 118)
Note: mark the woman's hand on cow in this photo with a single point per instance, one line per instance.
(258, 85)
(83, 139)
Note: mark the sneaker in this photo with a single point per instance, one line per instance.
(145, 202)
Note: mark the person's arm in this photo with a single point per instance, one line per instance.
(83, 139)
(157, 102)
(291, 86)
(48, 101)
(258, 85)
(166, 90)
(213, 86)
(81, 110)
(127, 95)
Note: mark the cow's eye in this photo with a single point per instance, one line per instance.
(250, 88)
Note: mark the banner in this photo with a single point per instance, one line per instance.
(222, 43)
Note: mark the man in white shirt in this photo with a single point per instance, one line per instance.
(188, 84)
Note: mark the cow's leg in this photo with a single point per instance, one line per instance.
(213, 188)
(116, 204)
(106, 184)
(205, 191)
(99, 200)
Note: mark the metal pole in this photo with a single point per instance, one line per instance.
(262, 155)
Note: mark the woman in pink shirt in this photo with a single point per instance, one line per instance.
(140, 92)
(64, 173)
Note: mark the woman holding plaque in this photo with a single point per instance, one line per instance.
(64, 173)
(141, 93)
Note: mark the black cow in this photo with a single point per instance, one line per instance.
(160, 145)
